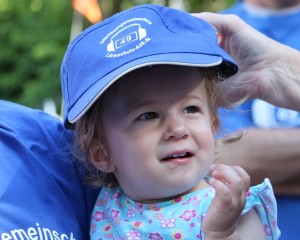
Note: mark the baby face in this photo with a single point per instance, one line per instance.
(159, 131)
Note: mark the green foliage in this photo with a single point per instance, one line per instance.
(34, 35)
(112, 6)
(208, 5)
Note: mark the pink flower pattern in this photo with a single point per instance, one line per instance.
(134, 235)
(116, 217)
(177, 235)
(155, 236)
(168, 223)
(131, 212)
(114, 213)
(99, 216)
(188, 215)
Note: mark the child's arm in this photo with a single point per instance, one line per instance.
(223, 219)
(250, 227)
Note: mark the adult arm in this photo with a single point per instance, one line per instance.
(268, 153)
(268, 70)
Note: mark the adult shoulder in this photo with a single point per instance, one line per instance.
(41, 191)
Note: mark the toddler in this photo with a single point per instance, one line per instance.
(141, 91)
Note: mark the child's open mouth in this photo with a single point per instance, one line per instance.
(178, 156)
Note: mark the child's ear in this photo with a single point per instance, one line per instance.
(100, 158)
(215, 125)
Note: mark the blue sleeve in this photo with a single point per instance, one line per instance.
(42, 195)
(261, 198)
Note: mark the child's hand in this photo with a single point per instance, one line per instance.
(231, 185)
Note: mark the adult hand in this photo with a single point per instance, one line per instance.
(268, 70)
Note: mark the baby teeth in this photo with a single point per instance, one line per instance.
(178, 155)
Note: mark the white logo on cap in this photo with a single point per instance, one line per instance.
(128, 34)
(125, 34)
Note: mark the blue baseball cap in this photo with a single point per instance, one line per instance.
(141, 36)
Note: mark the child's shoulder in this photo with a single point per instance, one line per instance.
(261, 198)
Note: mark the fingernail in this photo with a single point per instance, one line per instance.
(207, 178)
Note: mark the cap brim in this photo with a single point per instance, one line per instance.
(183, 59)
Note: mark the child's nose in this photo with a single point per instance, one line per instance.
(175, 128)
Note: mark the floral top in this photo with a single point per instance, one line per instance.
(117, 217)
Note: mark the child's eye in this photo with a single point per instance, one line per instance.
(191, 109)
(148, 116)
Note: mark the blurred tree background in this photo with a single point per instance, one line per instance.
(34, 35)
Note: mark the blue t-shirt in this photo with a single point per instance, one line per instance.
(42, 195)
(284, 27)
(281, 26)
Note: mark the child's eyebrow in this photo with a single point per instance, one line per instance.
(196, 97)
(137, 103)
